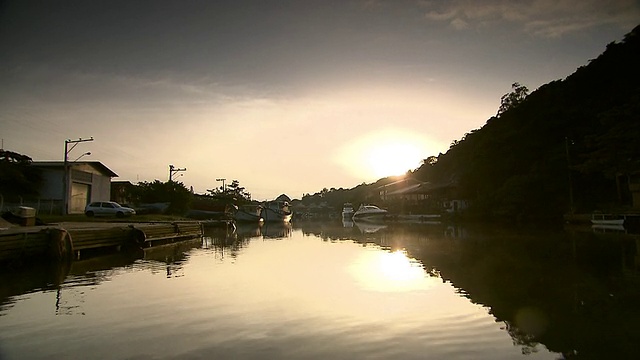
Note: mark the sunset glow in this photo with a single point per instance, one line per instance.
(332, 95)
(390, 271)
(389, 152)
(393, 158)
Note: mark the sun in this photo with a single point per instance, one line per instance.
(392, 158)
(386, 152)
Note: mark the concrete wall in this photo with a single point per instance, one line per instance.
(101, 188)
(100, 185)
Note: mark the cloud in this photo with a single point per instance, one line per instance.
(543, 18)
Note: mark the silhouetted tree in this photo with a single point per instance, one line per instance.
(17, 176)
(238, 192)
(233, 193)
(514, 98)
(175, 193)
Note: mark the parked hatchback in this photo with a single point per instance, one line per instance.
(108, 208)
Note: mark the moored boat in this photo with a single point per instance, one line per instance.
(248, 213)
(277, 210)
(367, 211)
(347, 211)
(608, 219)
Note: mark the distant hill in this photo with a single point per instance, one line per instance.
(572, 144)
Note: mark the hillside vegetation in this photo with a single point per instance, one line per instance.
(571, 145)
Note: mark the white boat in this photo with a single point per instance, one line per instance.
(607, 219)
(599, 228)
(248, 213)
(276, 210)
(347, 211)
(369, 212)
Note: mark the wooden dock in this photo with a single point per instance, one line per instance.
(68, 240)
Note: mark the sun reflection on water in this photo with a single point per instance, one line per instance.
(390, 271)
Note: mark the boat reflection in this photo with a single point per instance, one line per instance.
(275, 230)
(369, 227)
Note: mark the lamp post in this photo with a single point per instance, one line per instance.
(174, 170)
(224, 189)
(65, 181)
(85, 154)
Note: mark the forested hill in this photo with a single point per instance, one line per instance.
(572, 143)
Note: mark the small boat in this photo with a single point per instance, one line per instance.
(347, 211)
(607, 219)
(599, 228)
(369, 212)
(277, 210)
(248, 213)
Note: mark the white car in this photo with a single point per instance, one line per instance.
(107, 208)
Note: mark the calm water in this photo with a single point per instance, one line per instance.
(326, 291)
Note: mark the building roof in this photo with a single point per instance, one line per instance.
(411, 189)
(420, 188)
(122, 183)
(402, 182)
(59, 164)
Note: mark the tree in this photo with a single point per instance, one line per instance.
(430, 161)
(17, 175)
(616, 149)
(233, 191)
(175, 193)
(238, 192)
(513, 99)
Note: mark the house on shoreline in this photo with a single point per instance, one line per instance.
(88, 181)
(409, 195)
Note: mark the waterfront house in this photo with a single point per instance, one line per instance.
(409, 195)
(88, 181)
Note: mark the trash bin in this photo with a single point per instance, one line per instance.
(27, 216)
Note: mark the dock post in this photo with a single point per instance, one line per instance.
(60, 244)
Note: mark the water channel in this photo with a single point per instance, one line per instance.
(334, 290)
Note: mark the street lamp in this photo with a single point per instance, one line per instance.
(85, 154)
(174, 170)
(65, 181)
(224, 189)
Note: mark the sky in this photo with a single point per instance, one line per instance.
(284, 96)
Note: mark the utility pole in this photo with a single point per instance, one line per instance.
(65, 181)
(174, 170)
(566, 147)
(224, 188)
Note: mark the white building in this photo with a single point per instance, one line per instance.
(88, 181)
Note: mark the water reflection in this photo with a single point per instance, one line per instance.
(386, 290)
(28, 279)
(65, 278)
(369, 227)
(390, 271)
(229, 241)
(575, 291)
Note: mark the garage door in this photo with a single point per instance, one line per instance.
(79, 198)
